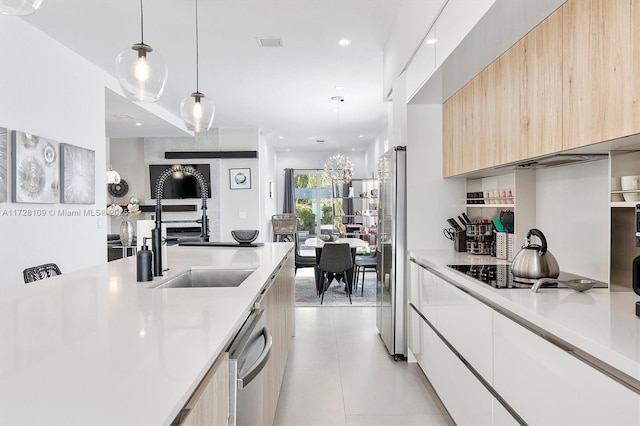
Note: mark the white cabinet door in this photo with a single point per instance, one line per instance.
(546, 385)
(463, 321)
(466, 399)
(429, 295)
(501, 416)
(414, 334)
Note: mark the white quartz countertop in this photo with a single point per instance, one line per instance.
(598, 322)
(97, 347)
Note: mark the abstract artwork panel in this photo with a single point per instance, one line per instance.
(4, 164)
(78, 175)
(36, 169)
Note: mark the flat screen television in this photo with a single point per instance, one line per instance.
(179, 185)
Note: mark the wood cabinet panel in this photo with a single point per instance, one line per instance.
(540, 90)
(598, 74)
(278, 302)
(511, 110)
(451, 137)
(209, 405)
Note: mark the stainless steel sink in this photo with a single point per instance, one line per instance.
(206, 277)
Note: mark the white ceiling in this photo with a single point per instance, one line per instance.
(284, 91)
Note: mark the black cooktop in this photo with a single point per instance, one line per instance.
(500, 276)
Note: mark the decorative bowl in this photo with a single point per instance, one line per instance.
(245, 236)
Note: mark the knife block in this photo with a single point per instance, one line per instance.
(460, 241)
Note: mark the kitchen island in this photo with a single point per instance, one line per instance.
(97, 347)
(511, 356)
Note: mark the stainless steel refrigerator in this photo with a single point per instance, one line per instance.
(391, 297)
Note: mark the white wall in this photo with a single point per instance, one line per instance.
(572, 210)
(430, 198)
(71, 111)
(268, 184)
(126, 156)
(240, 208)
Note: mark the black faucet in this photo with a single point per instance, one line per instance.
(156, 233)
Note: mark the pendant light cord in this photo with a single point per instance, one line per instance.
(141, 24)
(197, 52)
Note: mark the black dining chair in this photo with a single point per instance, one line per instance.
(40, 272)
(361, 264)
(300, 260)
(335, 259)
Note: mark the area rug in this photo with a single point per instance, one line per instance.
(335, 294)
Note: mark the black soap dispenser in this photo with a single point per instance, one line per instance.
(144, 262)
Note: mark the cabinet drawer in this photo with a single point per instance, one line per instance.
(466, 399)
(547, 385)
(464, 321)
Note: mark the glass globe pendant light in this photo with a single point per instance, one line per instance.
(338, 168)
(19, 7)
(196, 110)
(141, 73)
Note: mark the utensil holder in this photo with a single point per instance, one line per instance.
(460, 241)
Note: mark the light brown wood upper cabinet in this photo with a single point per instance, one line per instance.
(451, 136)
(541, 90)
(573, 80)
(512, 109)
(601, 92)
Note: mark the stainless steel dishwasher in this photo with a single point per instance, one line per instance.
(248, 354)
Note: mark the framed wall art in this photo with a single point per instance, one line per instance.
(240, 178)
(36, 169)
(77, 175)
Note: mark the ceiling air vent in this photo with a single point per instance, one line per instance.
(269, 41)
(320, 141)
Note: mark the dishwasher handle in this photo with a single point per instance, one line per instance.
(260, 362)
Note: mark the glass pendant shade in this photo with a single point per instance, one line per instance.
(19, 7)
(197, 111)
(339, 169)
(142, 73)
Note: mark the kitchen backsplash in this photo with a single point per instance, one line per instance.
(572, 209)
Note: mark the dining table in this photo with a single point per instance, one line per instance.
(356, 244)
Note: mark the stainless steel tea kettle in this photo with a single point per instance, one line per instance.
(534, 261)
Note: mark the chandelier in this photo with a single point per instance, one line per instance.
(339, 169)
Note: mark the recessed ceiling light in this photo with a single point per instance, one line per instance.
(269, 41)
(287, 150)
(431, 41)
(339, 87)
(344, 42)
(361, 136)
(138, 124)
(280, 137)
(353, 149)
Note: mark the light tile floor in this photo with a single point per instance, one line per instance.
(339, 373)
